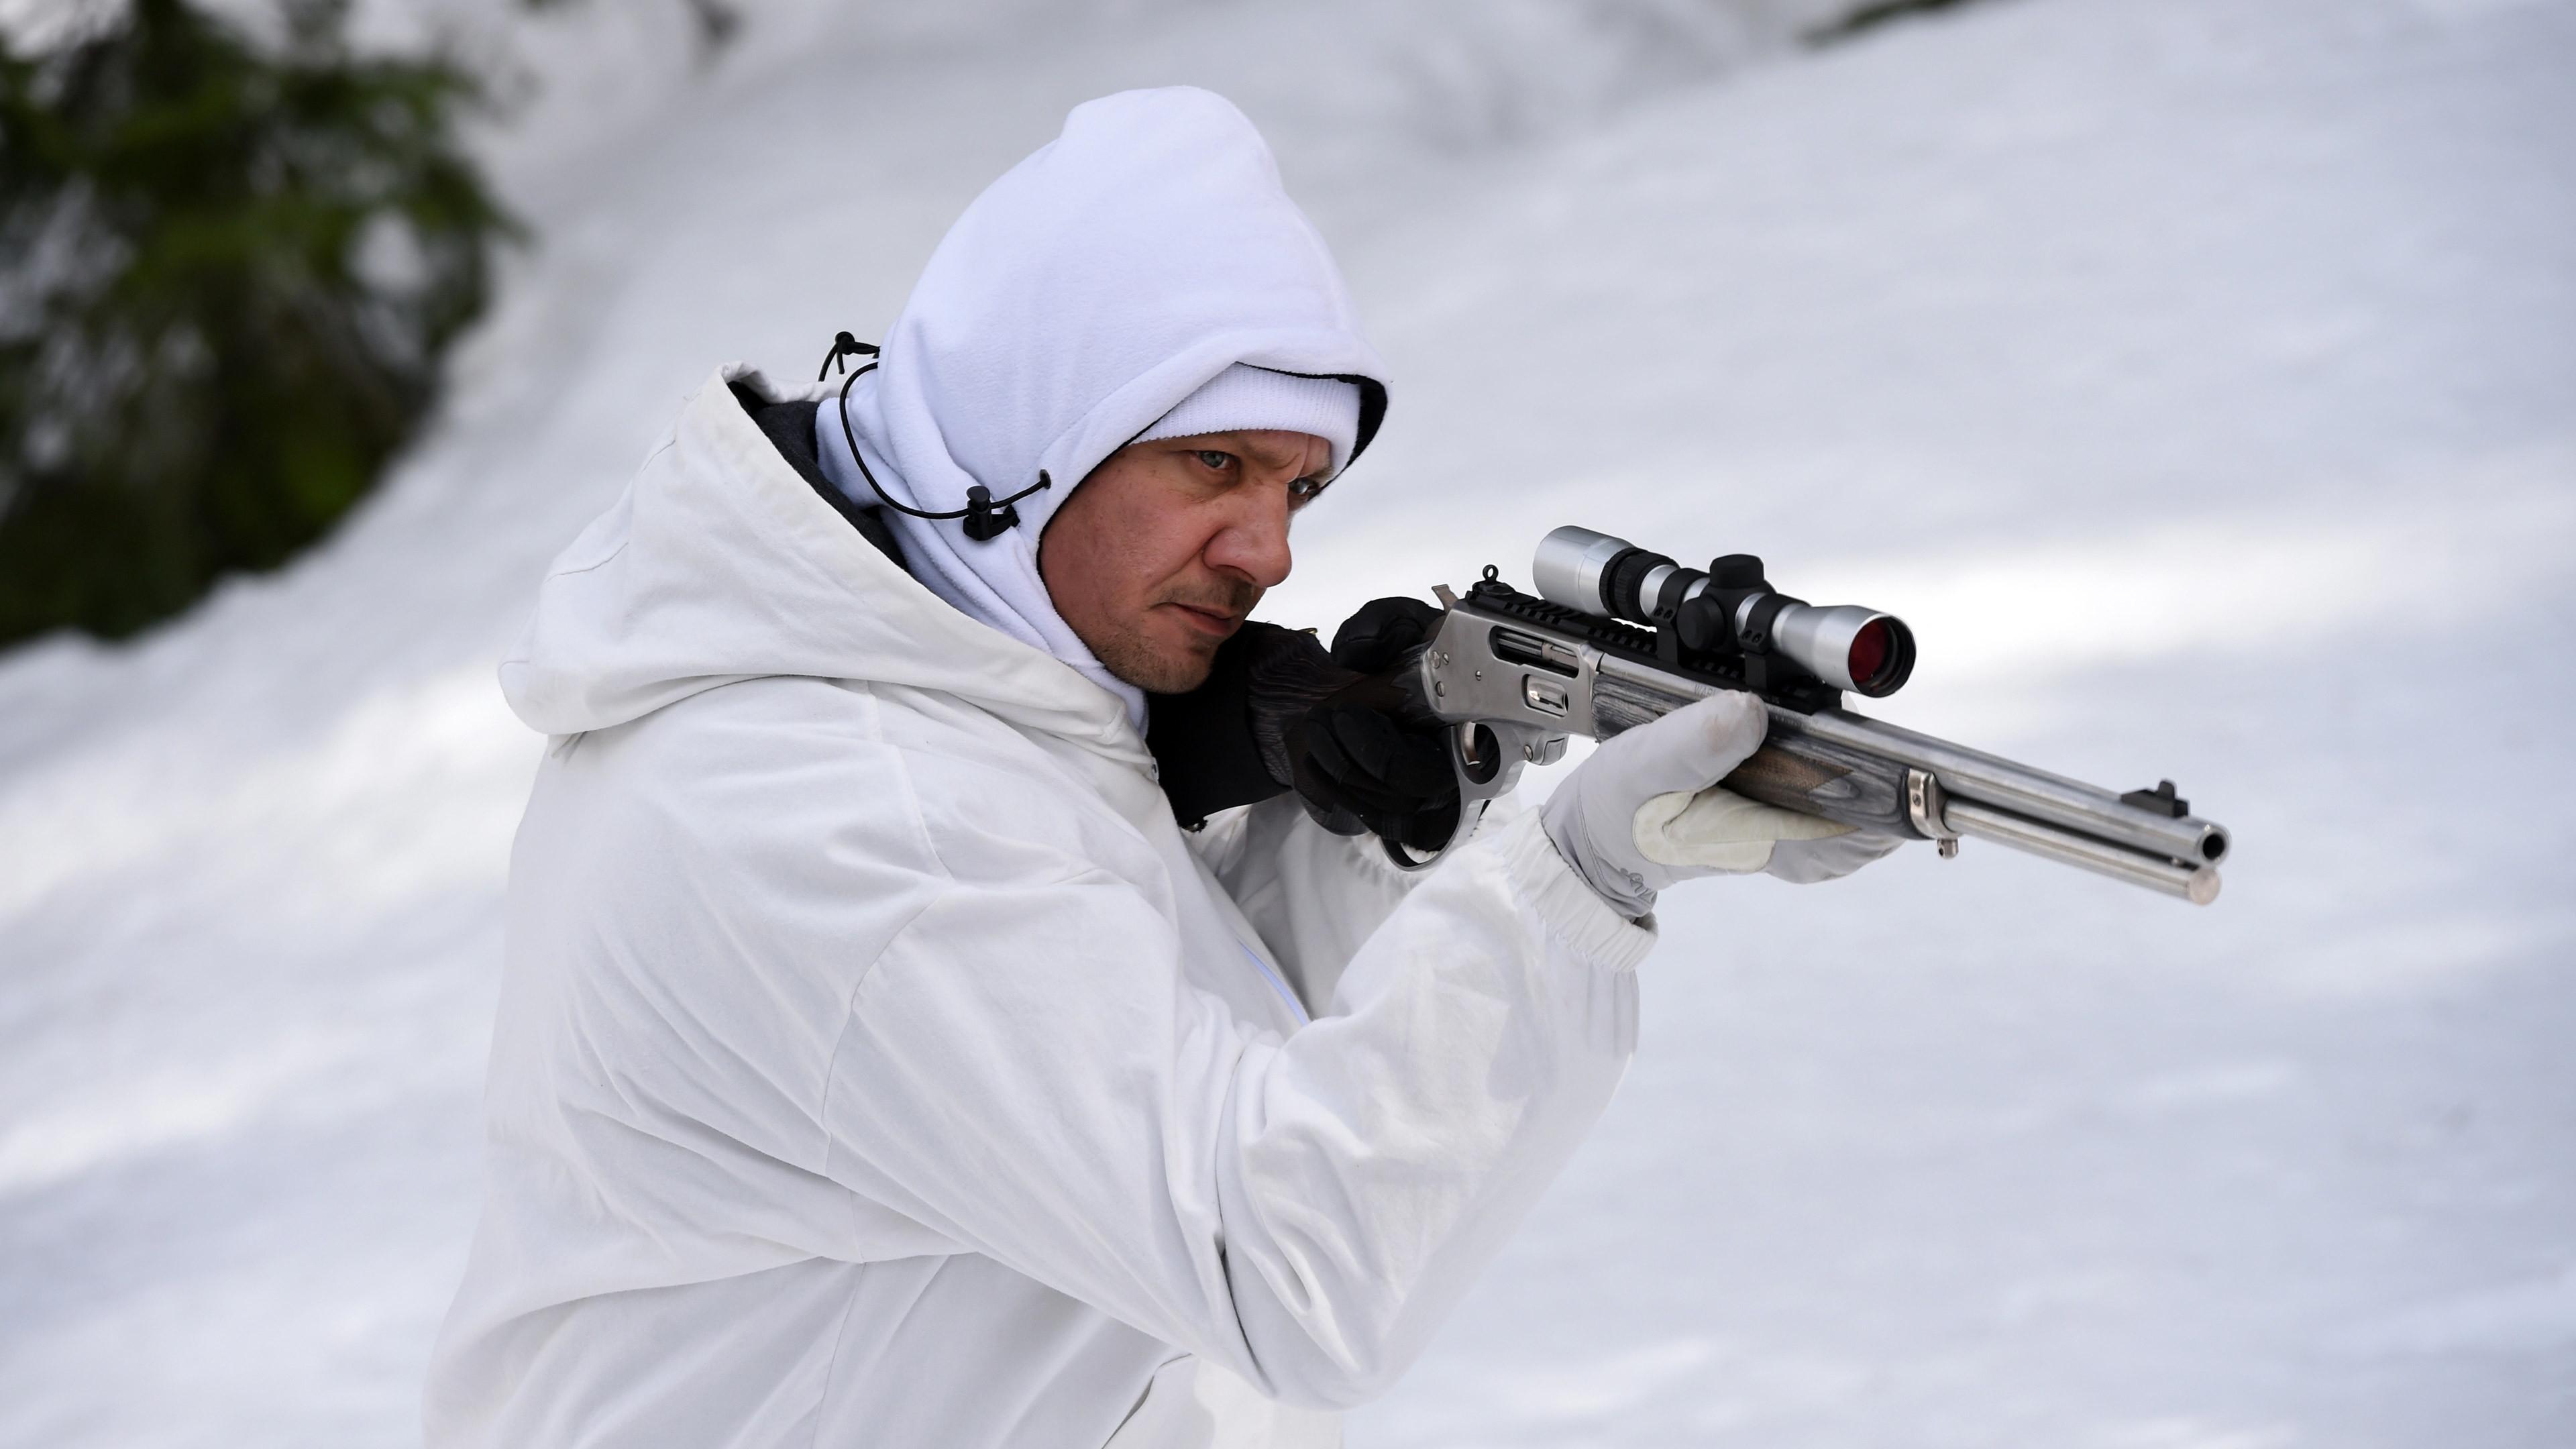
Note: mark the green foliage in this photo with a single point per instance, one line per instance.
(227, 274)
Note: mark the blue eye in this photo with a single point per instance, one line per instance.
(1303, 489)
(1212, 458)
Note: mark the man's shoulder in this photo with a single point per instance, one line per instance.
(972, 793)
(998, 801)
(769, 769)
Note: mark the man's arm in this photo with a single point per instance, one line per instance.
(1026, 1071)
(1314, 896)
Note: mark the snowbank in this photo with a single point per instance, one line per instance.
(2195, 375)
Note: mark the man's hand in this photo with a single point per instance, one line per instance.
(1383, 633)
(1361, 753)
(1358, 768)
(1367, 755)
(1280, 712)
(1645, 812)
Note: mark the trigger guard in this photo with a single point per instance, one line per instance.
(1515, 745)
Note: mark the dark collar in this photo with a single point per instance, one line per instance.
(789, 427)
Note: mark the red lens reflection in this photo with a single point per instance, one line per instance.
(1869, 651)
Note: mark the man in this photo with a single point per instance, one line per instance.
(879, 1060)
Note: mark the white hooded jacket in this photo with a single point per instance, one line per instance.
(878, 1063)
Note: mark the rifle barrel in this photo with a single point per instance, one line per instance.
(2197, 884)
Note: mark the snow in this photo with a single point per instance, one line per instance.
(2199, 378)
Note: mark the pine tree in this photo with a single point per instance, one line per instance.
(227, 275)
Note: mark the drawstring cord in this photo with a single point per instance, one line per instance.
(985, 518)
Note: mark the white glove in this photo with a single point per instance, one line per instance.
(1642, 813)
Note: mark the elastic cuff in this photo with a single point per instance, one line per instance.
(1566, 902)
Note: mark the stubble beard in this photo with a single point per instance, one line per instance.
(1138, 658)
(1153, 668)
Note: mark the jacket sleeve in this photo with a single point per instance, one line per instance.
(1025, 1071)
(1314, 896)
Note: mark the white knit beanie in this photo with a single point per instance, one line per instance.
(1244, 398)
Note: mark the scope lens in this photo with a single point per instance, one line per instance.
(1871, 648)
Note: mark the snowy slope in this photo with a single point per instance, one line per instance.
(2199, 377)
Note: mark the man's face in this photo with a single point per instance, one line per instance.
(1162, 551)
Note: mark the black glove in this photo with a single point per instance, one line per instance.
(1204, 751)
(1382, 633)
(1371, 753)
(1278, 711)
(1359, 766)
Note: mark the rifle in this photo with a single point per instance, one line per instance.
(1618, 636)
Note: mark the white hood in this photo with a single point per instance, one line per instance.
(720, 564)
(1079, 299)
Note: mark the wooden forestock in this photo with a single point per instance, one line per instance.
(1813, 777)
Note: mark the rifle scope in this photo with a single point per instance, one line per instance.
(1730, 609)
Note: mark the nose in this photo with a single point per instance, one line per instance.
(1254, 541)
